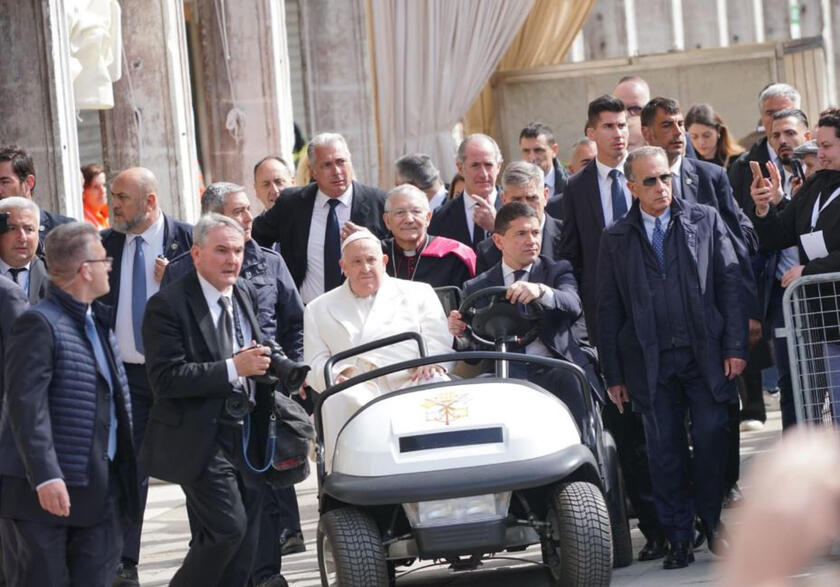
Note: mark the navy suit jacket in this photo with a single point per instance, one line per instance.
(561, 327)
(289, 220)
(13, 303)
(707, 183)
(488, 254)
(627, 336)
(450, 219)
(583, 221)
(177, 238)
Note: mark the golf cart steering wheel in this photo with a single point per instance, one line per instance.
(498, 319)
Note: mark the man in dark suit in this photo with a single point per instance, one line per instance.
(272, 176)
(469, 217)
(417, 169)
(308, 221)
(772, 99)
(69, 479)
(141, 242)
(522, 182)
(538, 146)
(706, 183)
(17, 178)
(531, 277)
(198, 334)
(595, 197)
(280, 314)
(19, 245)
(671, 337)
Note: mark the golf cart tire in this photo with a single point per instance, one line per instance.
(357, 549)
(621, 540)
(583, 536)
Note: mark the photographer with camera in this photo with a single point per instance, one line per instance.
(200, 334)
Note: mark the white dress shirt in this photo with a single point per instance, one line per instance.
(469, 204)
(605, 187)
(537, 347)
(212, 295)
(438, 199)
(23, 276)
(549, 179)
(676, 184)
(313, 281)
(152, 247)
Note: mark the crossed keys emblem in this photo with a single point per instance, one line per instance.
(446, 407)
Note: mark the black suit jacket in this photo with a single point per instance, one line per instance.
(583, 221)
(560, 325)
(707, 183)
(488, 254)
(450, 219)
(627, 336)
(289, 220)
(188, 375)
(177, 238)
(13, 303)
(561, 177)
(740, 174)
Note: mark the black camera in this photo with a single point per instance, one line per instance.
(238, 404)
(282, 369)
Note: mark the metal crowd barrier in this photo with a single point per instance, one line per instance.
(812, 328)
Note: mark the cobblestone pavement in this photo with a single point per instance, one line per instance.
(165, 537)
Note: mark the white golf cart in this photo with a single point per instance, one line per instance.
(457, 471)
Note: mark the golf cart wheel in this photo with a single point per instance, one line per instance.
(350, 550)
(579, 552)
(621, 540)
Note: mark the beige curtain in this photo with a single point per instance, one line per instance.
(431, 58)
(544, 39)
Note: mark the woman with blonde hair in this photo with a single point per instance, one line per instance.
(710, 136)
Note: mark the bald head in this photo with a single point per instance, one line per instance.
(134, 205)
(634, 93)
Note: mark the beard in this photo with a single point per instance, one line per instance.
(125, 226)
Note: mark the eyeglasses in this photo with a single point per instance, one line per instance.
(107, 260)
(401, 213)
(651, 181)
(634, 110)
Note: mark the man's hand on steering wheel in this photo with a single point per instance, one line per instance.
(523, 292)
(455, 324)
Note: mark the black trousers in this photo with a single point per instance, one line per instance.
(141, 404)
(38, 554)
(685, 485)
(225, 505)
(629, 433)
(280, 512)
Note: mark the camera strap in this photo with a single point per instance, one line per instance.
(270, 443)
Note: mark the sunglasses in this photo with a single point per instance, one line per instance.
(651, 181)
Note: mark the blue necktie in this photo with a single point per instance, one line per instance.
(619, 202)
(657, 241)
(138, 293)
(332, 249)
(102, 362)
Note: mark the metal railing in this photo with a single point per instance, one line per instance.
(812, 328)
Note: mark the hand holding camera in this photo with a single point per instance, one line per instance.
(252, 361)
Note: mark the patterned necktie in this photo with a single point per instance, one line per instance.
(14, 272)
(619, 202)
(102, 362)
(332, 249)
(138, 292)
(657, 241)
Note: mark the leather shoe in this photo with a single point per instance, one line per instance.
(699, 535)
(679, 556)
(733, 498)
(126, 575)
(291, 542)
(718, 539)
(653, 549)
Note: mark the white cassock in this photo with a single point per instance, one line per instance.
(339, 320)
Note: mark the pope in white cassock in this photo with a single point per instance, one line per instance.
(369, 306)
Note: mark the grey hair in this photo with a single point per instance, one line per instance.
(214, 196)
(323, 139)
(583, 141)
(418, 170)
(210, 222)
(521, 173)
(641, 153)
(405, 189)
(780, 89)
(20, 203)
(67, 246)
(462, 148)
